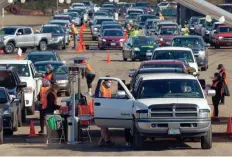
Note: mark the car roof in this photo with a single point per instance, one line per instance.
(189, 36)
(51, 25)
(169, 27)
(173, 48)
(49, 62)
(15, 62)
(165, 76)
(42, 52)
(144, 71)
(135, 9)
(113, 29)
(162, 62)
(167, 22)
(147, 15)
(16, 27)
(61, 16)
(60, 21)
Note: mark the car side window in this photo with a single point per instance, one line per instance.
(136, 84)
(27, 31)
(20, 31)
(32, 70)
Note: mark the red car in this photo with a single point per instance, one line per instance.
(166, 34)
(222, 37)
(111, 38)
(164, 64)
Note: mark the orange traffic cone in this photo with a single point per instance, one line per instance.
(32, 130)
(79, 47)
(84, 27)
(1, 51)
(108, 58)
(229, 126)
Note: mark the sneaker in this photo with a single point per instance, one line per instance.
(41, 132)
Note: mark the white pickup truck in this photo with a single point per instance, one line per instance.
(12, 37)
(160, 105)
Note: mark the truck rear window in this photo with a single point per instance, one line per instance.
(7, 80)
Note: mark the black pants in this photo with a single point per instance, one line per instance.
(223, 99)
(89, 79)
(43, 113)
(216, 101)
(128, 137)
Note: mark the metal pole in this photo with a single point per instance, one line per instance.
(79, 84)
(3, 19)
(57, 4)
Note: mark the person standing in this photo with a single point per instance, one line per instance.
(186, 30)
(224, 77)
(74, 33)
(217, 85)
(105, 92)
(49, 75)
(89, 74)
(132, 30)
(48, 101)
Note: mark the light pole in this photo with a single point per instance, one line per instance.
(62, 1)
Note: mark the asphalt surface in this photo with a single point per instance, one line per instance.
(21, 144)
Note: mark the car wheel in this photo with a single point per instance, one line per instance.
(23, 113)
(43, 46)
(15, 128)
(206, 141)
(20, 123)
(10, 131)
(10, 48)
(138, 140)
(64, 47)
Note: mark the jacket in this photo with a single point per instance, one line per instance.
(51, 77)
(74, 30)
(48, 101)
(224, 75)
(217, 85)
(105, 92)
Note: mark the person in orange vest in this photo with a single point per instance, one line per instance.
(224, 77)
(49, 75)
(217, 85)
(74, 33)
(48, 102)
(105, 92)
(89, 74)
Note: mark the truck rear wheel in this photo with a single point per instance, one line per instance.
(206, 141)
(43, 46)
(137, 139)
(10, 48)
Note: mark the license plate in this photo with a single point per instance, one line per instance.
(174, 131)
(113, 44)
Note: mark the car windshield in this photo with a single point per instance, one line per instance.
(75, 11)
(7, 80)
(38, 58)
(58, 68)
(99, 21)
(173, 55)
(169, 31)
(161, 65)
(77, 5)
(113, 33)
(193, 21)
(188, 42)
(166, 24)
(202, 21)
(60, 24)
(144, 18)
(170, 88)
(132, 16)
(55, 30)
(3, 97)
(73, 15)
(216, 26)
(163, 4)
(225, 29)
(143, 41)
(142, 4)
(108, 6)
(100, 14)
(135, 12)
(22, 69)
(112, 26)
(86, 3)
(8, 31)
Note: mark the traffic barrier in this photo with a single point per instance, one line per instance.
(108, 58)
(32, 129)
(229, 126)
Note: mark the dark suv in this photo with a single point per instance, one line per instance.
(9, 79)
(37, 56)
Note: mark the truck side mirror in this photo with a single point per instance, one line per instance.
(121, 94)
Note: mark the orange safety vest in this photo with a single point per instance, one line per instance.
(43, 97)
(48, 77)
(74, 30)
(106, 92)
(89, 68)
(221, 73)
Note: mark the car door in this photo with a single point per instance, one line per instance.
(28, 37)
(113, 112)
(19, 38)
(38, 81)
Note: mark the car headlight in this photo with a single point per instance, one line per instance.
(161, 39)
(60, 38)
(220, 38)
(62, 81)
(207, 32)
(121, 40)
(142, 114)
(136, 49)
(202, 53)
(28, 90)
(130, 21)
(104, 40)
(204, 114)
(95, 29)
(191, 28)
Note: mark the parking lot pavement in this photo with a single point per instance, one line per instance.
(23, 145)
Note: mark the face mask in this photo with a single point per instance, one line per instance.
(108, 85)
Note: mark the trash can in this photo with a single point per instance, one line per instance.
(69, 129)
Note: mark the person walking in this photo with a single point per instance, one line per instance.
(186, 30)
(105, 92)
(74, 33)
(224, 77)
(217, 85)
(48, 101)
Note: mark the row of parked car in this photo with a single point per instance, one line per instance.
(213, 32)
